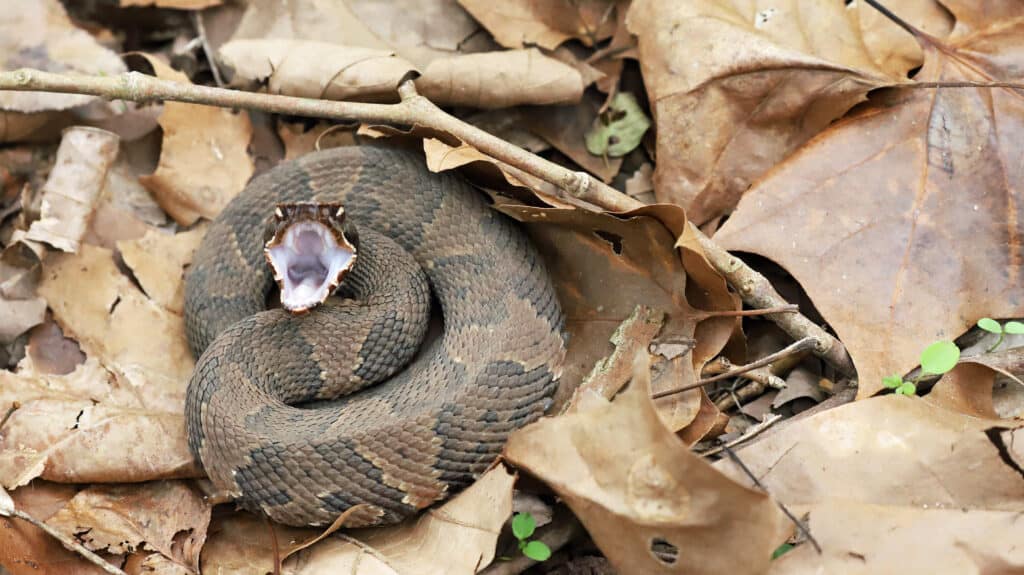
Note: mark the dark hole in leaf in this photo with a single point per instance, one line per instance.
(664, 551)
(913, 72)
(612, 140)
(617, 115)
(614, 239)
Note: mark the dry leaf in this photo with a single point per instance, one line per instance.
(890, 450)
(312, 20)
(70, 193)
(204, 161)
(86, 427)
(903, 223)
(39, 35)
(519, 23)
(456, 538)
(18, 316)
(565, 127)
(51, 352)
(164, 516)
(315, 69)
(892, 49)
(176, 4)
(240, 543)
(637, 489)
(158, 261)
(736, 87)
(501, 80)
(858, 538)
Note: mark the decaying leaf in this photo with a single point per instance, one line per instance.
(456, 538)
(903, 222)
(73, 187)
(86, 426)
(518, 23)
(565, 128)
(158, 261)
(650, 505)
(164, 516)
(737, 86)
(890, 450)
(618, 130)
(18, 316)
(501, 79)
(240, 543)
(178, 4)
(312, 20)
(315, 69)
(204, 160)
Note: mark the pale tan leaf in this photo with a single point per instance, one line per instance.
(312, 20)
(501, 80)
(73, 187)
(636, 487)
(164, 516)
(240, 543)
(158, 261)
(316, 69)
(18, 316)
(519, 23)
(204, 161)
(456, 538)
(176, 4)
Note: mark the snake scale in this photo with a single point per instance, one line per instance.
(259, 409)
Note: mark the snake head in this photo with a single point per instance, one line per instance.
(311, 250)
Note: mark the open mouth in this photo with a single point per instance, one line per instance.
(308, 259)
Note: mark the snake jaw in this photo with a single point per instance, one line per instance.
(309, 253)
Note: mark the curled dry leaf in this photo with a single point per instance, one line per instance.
(903, 222)
(85, 427)
(315, 69)
(204, 161)
(18, 316)
(501, 80)
(930, 456)
(457, 538)
(520, 23)
(164, 516)
(158, 261)
(736, 87)
(638, 490)
(859, 538)
(73, 187)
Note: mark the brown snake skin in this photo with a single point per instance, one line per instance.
(414, 439)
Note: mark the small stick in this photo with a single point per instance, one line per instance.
(197, 17)
(799, 524)
(751, 433)
(788, 308)
(7, 509)
(805, 344)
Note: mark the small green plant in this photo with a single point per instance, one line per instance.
(992, 326)
(936, 359)
(782, 550)
(523, 526)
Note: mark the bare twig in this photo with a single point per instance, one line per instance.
(7, 509)
(197, 17)
(751, 433)
(788, 308)
(805, 344)
(799, 524)
(413, 109)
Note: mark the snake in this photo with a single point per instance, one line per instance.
(349, 408)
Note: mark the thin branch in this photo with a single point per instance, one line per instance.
(197, 18)
(896, 19)
(414, 109)
(805, 344)
(788, 308)
(65, 540)
(799, 524)
(751, 433)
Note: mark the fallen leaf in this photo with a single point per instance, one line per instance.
(457, 538)
(299, 140)
(240, 543)
(565, 128)
(903, 222)
(858, 538)
(312, 20)
(638, 490)
(85, 427)
(737, 87)
(204, 160)
(618, 130)
(40, 35)
(519, 23)
(158, 261)
(73, 187)
(18, 316)
(176, 4)
(51, 352)
(500, 80)
(165, 516)
(930, 456)
(890, 46)
(315, 69)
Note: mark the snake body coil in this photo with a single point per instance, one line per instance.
(425, 432)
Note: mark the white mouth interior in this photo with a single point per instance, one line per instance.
(307, 263)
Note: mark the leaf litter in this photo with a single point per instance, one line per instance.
(894, 208)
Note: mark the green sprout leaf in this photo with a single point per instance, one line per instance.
(1014, 327)
(618, 130)
(892, 381)
(781, 550)
(907, 388)
(537, 551)
(990, 325)
(939, 357)
(523, 525)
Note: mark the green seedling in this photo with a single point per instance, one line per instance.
(992, 326)
(523, 526)
(936, 359)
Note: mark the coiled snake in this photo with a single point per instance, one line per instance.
(426, 431)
